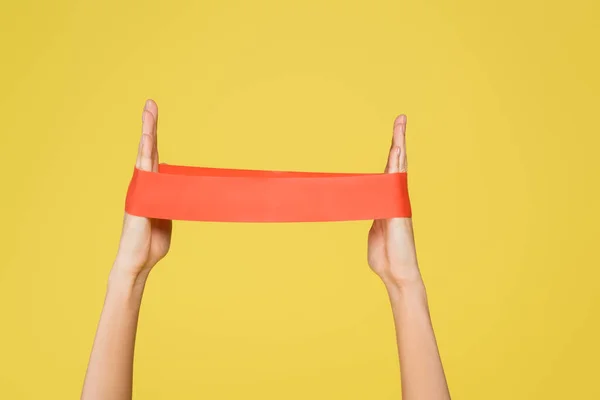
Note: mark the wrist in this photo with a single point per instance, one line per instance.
(406, 287)
(124, 292)
(123, 279)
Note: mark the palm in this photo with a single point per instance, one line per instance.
(376, 247)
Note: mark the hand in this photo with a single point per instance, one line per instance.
(391, 246)
(144, 241)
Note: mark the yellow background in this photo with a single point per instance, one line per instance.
(502, 101)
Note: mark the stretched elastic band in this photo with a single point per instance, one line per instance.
(236, 195)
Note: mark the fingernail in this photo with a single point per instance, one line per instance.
(147, 105)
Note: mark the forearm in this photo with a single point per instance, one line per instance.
(110, 370)
(422, 374)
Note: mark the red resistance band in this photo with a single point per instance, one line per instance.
(238, 195)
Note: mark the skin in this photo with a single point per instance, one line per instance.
(392, 256)
(144, 242)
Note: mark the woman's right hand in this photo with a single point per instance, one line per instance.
(391, 244)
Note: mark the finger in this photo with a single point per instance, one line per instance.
(152, 107)
(394, 160)
(139, 153)
(399, 124)
(396, 136)
(394, 224)
(140, 145)
(146, 153)
(400, 137)
(147, 141)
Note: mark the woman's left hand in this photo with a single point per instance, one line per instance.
(144, 241)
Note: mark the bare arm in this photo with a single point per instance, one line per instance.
(143, 243)
(110, 371)
(392, 256)
(422, 374)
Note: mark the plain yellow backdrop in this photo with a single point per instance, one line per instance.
(502, 101)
